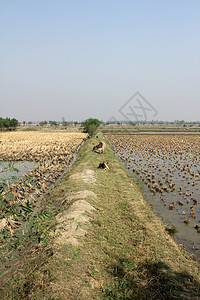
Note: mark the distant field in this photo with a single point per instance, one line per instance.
(147, 128)
(48, 128)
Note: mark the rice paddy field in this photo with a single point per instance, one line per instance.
(50, 153)
(168, 169)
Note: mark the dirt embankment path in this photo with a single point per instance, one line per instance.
(108, 241)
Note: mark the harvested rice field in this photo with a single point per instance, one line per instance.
(168, 169)
(50, 153)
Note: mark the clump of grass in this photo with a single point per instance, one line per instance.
(171, 230)
(120, 289)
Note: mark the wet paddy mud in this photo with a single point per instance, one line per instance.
(168, 168)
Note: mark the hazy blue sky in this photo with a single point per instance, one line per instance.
(79, 59)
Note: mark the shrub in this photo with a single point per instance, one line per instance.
(91, 125)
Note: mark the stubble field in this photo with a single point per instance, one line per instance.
(169, 169)
(51, 154)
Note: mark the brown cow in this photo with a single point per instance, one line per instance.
(101, 147)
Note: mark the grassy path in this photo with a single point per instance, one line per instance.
(108, 244)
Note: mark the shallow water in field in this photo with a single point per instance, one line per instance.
(21, 166)
(176, 171)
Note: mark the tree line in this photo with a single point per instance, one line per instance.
(8, 124)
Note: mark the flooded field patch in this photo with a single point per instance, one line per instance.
(45, 155)
(168, 167)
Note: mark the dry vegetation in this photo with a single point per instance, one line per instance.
(52, 154)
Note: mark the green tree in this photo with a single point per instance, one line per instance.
(1, 123)
(14, 123)
(8, 124)
(53, 123)
(91, 125)
(42, 123)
